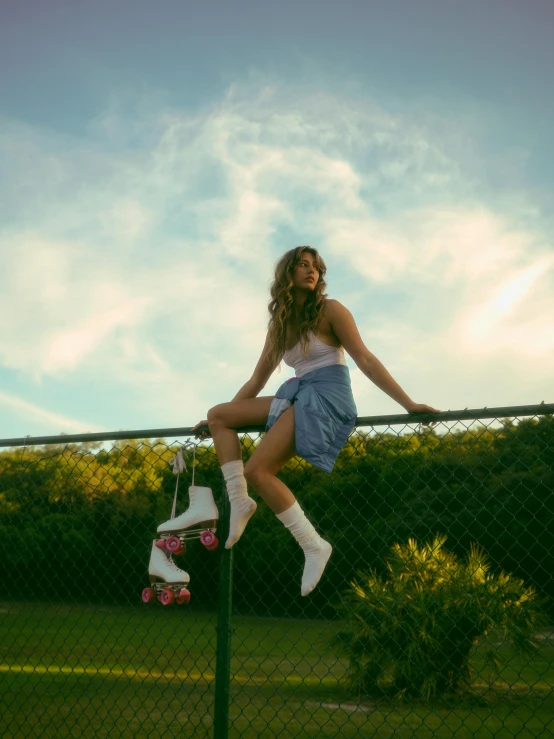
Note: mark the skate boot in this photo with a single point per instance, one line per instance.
(198, 521)
(173, 580)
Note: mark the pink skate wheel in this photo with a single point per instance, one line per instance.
(160, 544)
(183, 597)
(148, 595)
(167, 597)
(209, 540)
(173, 543)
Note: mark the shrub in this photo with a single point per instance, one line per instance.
(411, 634)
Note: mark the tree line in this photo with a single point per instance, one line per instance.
(77, 521)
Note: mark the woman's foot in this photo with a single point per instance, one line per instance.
(241, 510)
(317, 556)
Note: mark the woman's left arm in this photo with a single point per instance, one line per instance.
(344, 326)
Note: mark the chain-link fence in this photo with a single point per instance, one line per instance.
(432, 619)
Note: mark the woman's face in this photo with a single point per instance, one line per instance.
(306, 274)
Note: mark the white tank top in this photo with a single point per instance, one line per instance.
(318, 355)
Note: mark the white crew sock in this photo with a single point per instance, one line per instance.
(316, 550)
(242, 505)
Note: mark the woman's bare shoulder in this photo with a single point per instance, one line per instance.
(332, 306)
(334, 312)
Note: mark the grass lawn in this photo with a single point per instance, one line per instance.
(111, 671)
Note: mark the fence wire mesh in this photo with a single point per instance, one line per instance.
(433, 617)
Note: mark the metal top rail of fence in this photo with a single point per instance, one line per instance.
(264, 660)
(516, 411)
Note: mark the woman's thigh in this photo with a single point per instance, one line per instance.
(238, 413)
(276, 448)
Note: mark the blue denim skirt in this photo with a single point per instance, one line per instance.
(324, 413)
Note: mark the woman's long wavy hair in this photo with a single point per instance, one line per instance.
(281, 303)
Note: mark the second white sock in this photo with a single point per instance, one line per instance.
(242, 505)
(316, 550)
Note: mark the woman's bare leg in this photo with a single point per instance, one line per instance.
(223, 419)
(226, 442)
(275, 450)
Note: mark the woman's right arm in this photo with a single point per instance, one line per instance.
(252, 387)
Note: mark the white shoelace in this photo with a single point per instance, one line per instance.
(171, 563)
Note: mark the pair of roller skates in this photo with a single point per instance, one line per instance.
(168, 583)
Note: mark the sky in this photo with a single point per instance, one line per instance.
(157, 159)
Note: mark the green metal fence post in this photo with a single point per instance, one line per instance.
(223, 649)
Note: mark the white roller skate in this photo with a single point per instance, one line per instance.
(173, 580)
(199, 521)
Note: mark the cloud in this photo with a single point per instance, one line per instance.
(58, 305)
(34, 414)
(470, 323)
(148, 266)
(511, 315)
(67, 349)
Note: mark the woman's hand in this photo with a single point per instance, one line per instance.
(422, 408)
(201, 434)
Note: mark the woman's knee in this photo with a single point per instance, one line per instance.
(214, 415)
(238, 413)
(253, 473)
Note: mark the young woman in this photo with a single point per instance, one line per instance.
(311, 415)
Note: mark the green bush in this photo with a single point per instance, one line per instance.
(411, 633)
